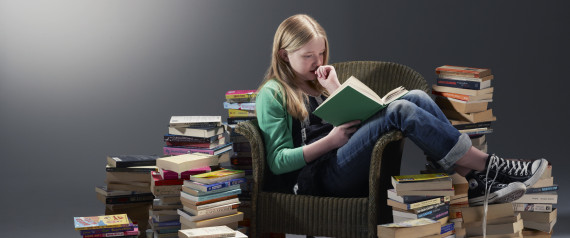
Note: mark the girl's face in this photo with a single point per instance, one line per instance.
(307, 59)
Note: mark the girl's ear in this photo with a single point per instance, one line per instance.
(283, 55)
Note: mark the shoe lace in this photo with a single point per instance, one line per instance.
(510, 167)
(494, 160)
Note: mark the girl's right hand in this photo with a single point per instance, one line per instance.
(339, 135)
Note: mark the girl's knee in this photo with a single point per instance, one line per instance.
(419, 94)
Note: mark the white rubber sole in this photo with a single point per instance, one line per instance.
(536, 176)
(512, 192)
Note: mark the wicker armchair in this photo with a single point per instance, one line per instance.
(333, 216)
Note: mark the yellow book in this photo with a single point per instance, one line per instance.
(98, 222)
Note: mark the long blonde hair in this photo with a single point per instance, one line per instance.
(292, 34)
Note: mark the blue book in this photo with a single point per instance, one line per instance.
(209, 187)
(466, 84)
(542, 189)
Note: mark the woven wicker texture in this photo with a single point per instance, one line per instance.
(331, 216)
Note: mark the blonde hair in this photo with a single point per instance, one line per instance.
(292, 34)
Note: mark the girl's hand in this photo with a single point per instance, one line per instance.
(326, 75)
(339, 135)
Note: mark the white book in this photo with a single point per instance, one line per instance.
(207, 232)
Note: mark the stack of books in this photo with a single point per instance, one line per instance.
(501, 221)
(197, 134)
(457, 202)
(118, 225)
(463, 94)
(127, 188)
(211, 199)
(422, 196)
(241, 107)
(414, 228)
(213, 231)
(166, 185)
(536, 206)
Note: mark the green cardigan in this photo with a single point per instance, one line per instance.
(276, 127)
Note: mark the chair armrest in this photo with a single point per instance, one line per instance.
(250, 130)
(380, 172)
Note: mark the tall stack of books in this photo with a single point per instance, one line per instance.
(127, 189)
(536, 206)
(197, 134)
(118, 225)
(463, 94)
(501, 221)
(241, 107)
(422, 196)
(211, 199)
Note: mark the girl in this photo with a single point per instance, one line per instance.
(313, 157)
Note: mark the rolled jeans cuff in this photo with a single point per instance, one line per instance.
(459, 150)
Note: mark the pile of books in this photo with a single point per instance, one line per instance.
(211, 199)
(213, 231)
(536, 206)
(241, 107)
(501, 221)
(422, 196)
(457, 202)
(127, 189)
(197, 134)
(463, 94)
(118, 225)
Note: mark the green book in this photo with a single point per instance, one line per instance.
(355, 101)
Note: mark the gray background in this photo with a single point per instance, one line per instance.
(80, 80)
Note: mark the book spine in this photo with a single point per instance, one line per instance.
(447, 228)
(542, 189)
(107, 230)
(427, 202)
(228, 183)
(129, 199)
(473, 125)
(532, 207)
(242, 106)
(133, 232)
(236, 120)
(216, 210)
(452, 95)
(458, 83)
(167, 150)
(240, 113)
(538, 198)
(435, 213)
(214, 200)
(189, 139)
(143, 170)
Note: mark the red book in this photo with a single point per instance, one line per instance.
(185, 175)
(158, 181)
(134, 232)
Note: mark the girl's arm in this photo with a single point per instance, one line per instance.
(335, 139)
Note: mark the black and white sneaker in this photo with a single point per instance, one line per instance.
(516, 170)
(498, 192)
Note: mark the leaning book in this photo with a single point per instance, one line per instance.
(355, 101)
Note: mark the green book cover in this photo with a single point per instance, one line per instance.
(354, 101)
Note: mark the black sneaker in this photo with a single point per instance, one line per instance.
(516, 170)
(498, 193)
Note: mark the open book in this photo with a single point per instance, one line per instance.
(355, 101)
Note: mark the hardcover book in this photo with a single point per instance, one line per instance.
(124, 161)
(98, 222)
(341, 107)
(466, 84)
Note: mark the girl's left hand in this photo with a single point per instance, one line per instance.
(326, 75)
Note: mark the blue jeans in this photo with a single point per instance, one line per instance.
(419, 118)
